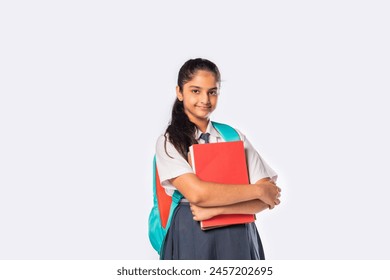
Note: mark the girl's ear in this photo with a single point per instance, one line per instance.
(179, 94)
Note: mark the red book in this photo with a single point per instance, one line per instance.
(223, 163)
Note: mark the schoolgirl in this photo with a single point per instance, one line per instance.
(197, 95)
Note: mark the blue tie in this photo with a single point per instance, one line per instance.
(205, 137)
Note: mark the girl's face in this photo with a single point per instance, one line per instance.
(199, 96)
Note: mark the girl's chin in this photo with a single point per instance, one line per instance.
(204, 111)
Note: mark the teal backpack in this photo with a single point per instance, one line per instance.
(164, 205)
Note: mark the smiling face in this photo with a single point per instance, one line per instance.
(199, 96)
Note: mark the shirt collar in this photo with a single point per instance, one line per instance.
(210, 129)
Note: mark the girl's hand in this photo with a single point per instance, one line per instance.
(203, 213)
(270, 192)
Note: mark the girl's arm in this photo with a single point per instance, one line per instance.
(246, 207)
(207, 194)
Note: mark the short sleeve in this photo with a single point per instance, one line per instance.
(257, 166)
(170, 164)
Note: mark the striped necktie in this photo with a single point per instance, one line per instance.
(205, 137)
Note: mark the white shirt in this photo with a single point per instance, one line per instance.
(173, 165)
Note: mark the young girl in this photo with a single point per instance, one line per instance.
(197, 93)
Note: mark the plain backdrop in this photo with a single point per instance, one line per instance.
(87, 87)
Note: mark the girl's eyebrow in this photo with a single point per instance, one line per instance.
(201, 88)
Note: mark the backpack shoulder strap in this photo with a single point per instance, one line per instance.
(227, 132)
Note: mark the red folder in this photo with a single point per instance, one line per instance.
(223, 163)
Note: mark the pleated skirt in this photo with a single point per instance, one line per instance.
(186, 241)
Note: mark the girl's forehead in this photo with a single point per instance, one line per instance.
(203, 77)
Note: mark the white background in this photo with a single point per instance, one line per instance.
(87, 86)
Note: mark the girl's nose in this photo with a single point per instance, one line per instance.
(205, 98)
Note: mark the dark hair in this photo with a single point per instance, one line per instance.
(181, 130)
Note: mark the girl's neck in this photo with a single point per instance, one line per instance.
(201, 124)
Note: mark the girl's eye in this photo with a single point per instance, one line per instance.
(214, 92)
(195, 91)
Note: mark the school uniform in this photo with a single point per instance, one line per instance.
(185, 239)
